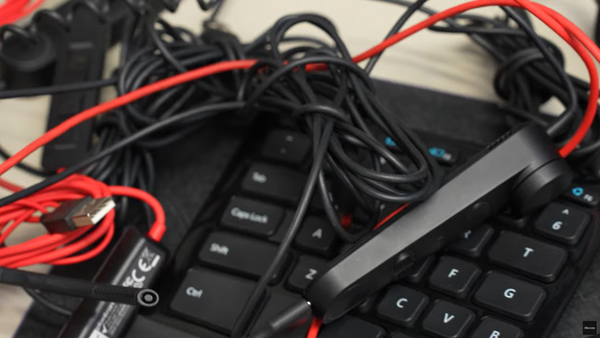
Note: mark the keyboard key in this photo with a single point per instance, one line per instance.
(417, 272)
(350, 327)
(276, 304)
(444, 155)
(534, 258)
(316, 236)
(585, 196)
(511, 297)
(269, 181)
(472, 242)
(454, 276)
(447, 320)
(253, 217)
(286, 146)
(494, 328)
(562, 223)
(402, 305)
(305, 272)
(211, 298)
(242, 255)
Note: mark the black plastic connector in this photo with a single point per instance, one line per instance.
(134, 262)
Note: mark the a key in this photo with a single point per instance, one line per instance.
(444, 155)
(277, 303)
(237, 254)
(286, 146)
(351, 327)
(402, 305)
(562, 223)
(417, 272)
(586, 196)
(472, 242)
(211, 298)
(534, 258)
(510, 296)
(494, 328)
(273, 182)
(305, 272)
(316, 236)
(448, 320)
(454, 276)
(253, 217)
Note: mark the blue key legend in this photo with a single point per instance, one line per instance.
(441, 153)
(577, 191)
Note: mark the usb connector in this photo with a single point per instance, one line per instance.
(74, 214)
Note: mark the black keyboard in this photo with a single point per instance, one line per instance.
(510, 278)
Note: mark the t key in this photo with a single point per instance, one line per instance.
(537, 259)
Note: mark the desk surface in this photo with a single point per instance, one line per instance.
(462, 68)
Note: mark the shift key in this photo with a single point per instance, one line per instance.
(237, 254)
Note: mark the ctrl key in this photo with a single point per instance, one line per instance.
(212, 299)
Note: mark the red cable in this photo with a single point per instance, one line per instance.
(554, 20)
(313, 331)
(564, 28)
(568, 31)
(14, 10)
(61, 249)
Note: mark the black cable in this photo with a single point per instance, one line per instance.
(57, 89)
(42, 300)
(559, 124)
(319, 151)
(403, 19)
(25, 167)
(204, 112)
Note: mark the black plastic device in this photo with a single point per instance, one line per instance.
(523, 168)
(79, 288)
(134, 262)
(80, 58)
(26, 60)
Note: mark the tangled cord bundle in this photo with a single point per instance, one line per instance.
(70, 247)
(317, 83)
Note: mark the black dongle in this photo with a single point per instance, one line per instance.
(135, 261)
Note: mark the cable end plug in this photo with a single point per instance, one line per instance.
(292, 317)
(74, 214)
